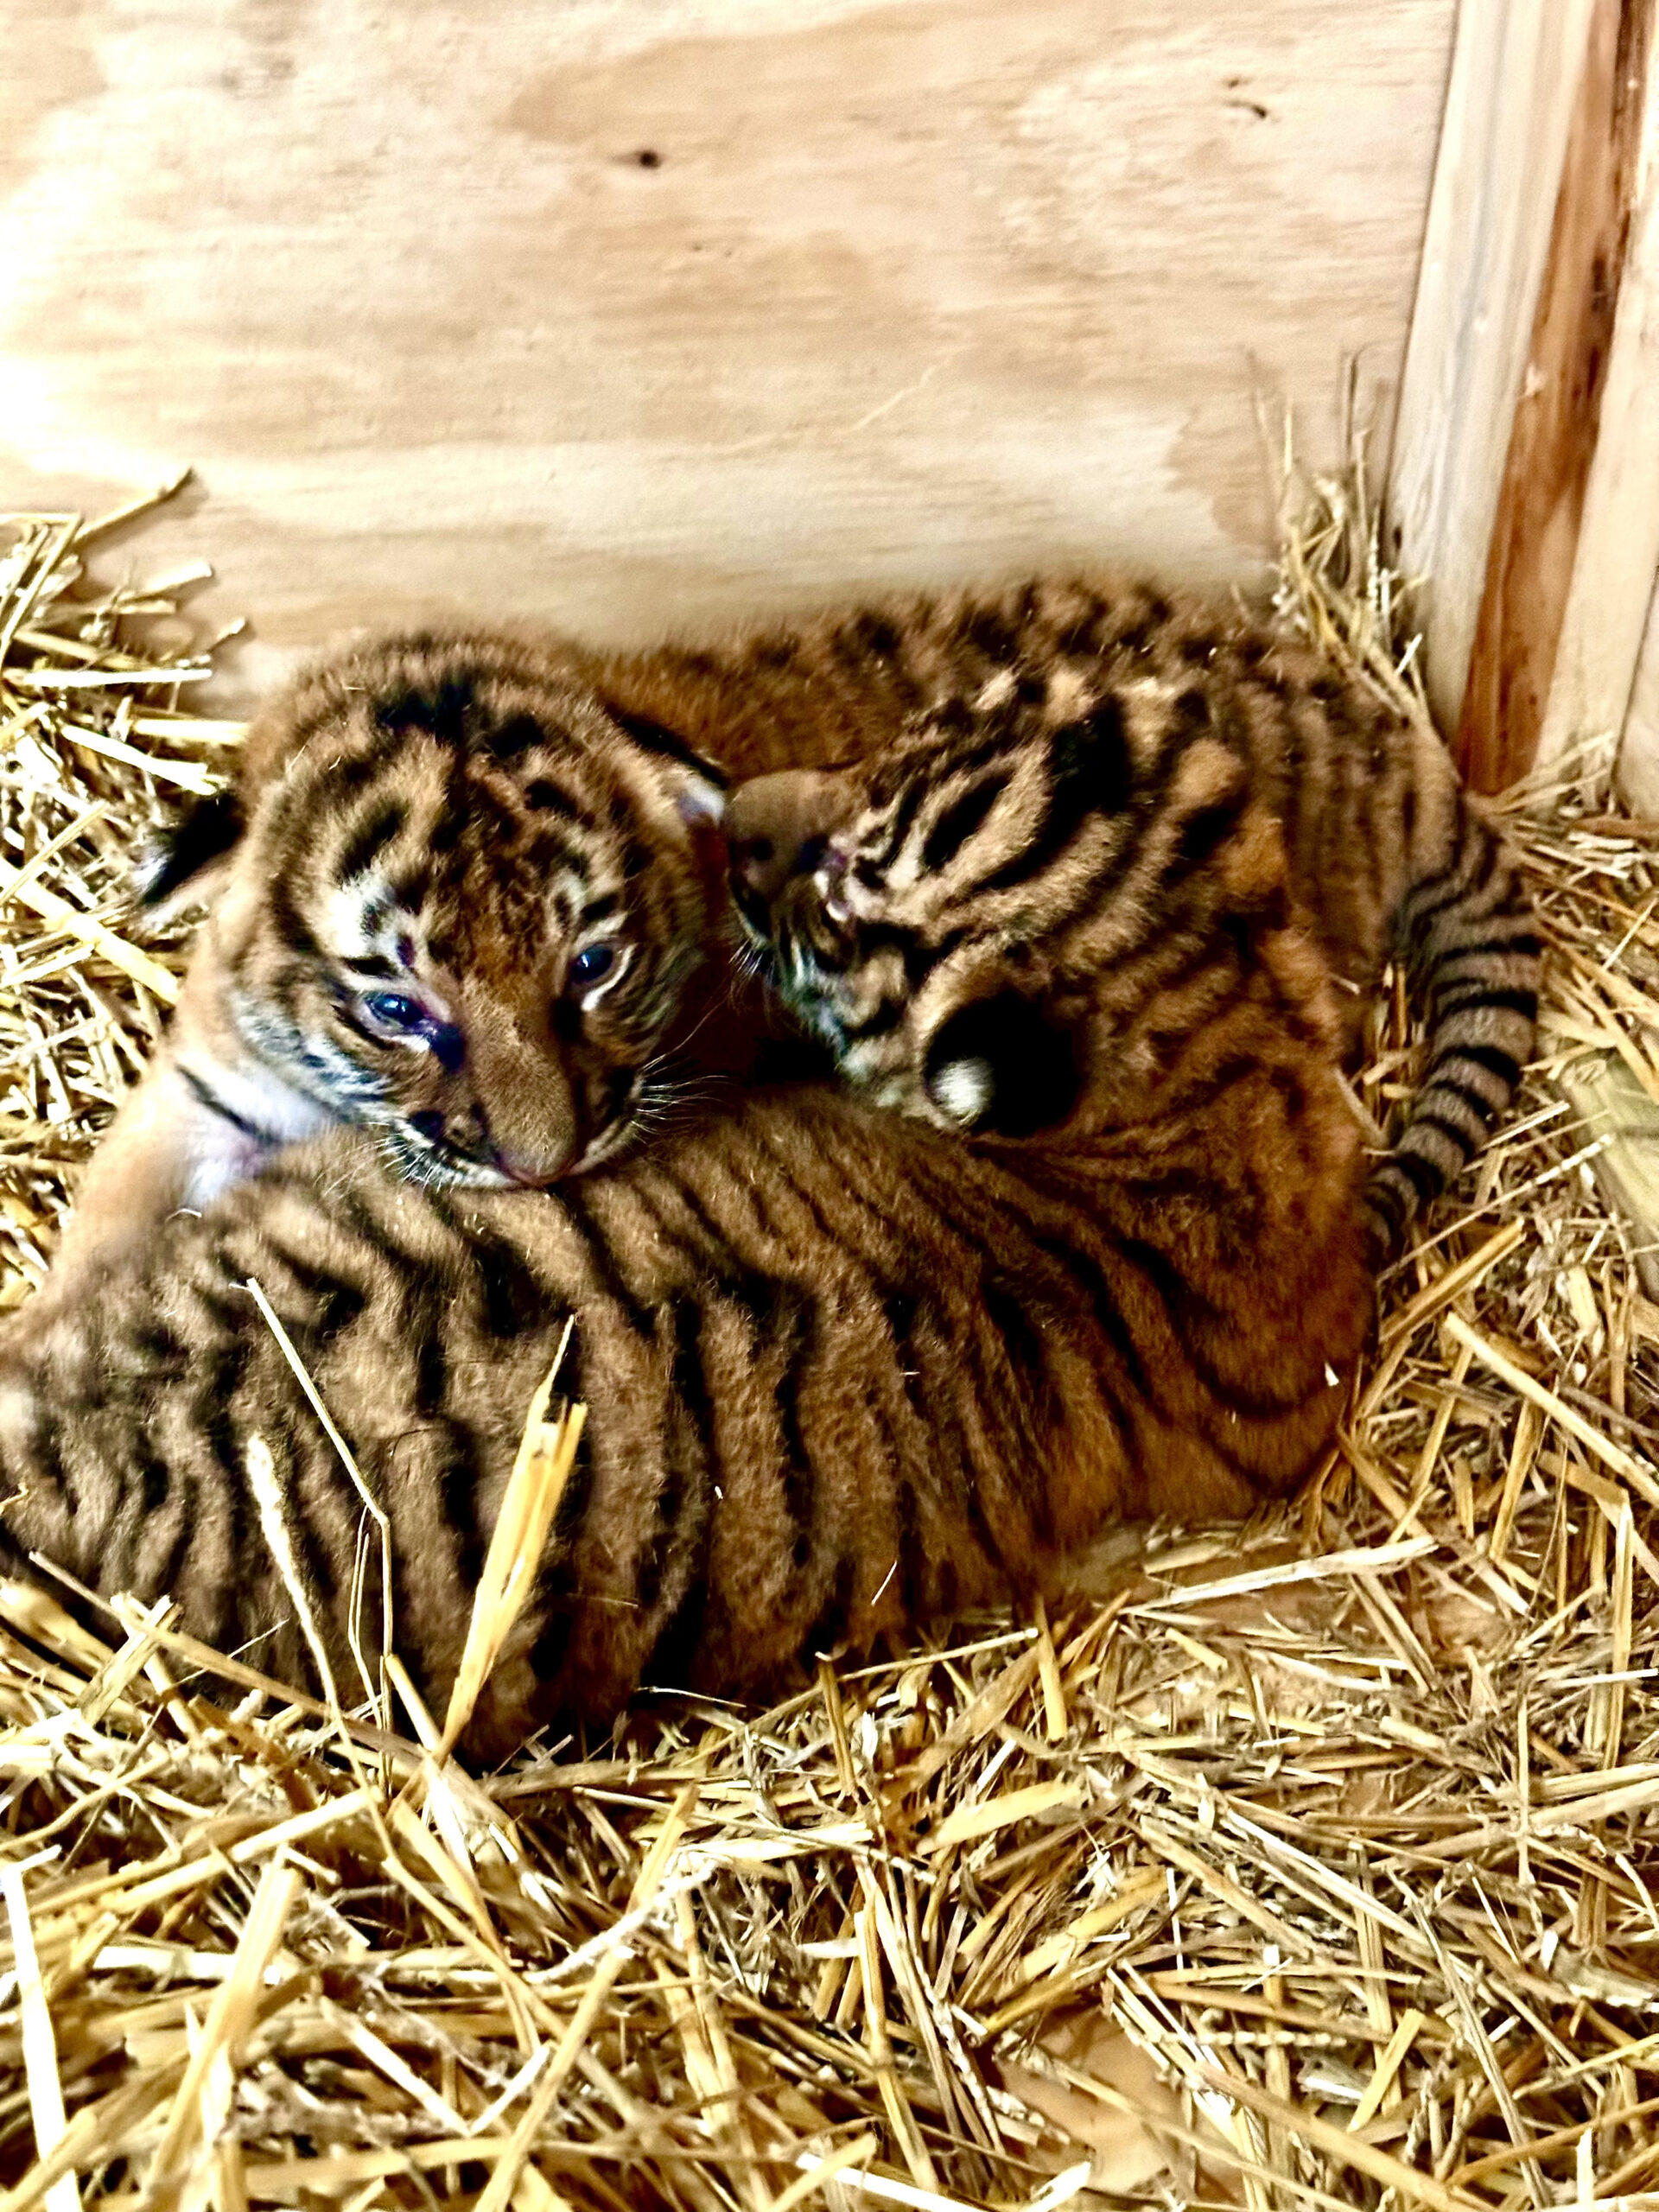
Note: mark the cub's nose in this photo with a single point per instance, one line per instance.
(532, 1159)
(779, 826)
(532, 1174)
(757, 866)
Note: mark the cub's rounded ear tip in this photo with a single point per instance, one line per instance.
(146, 870)
(1002, 1067)
(202, 832)
(793, 803)
(963, 1089)
(755, 804)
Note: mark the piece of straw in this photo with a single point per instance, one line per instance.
(547, 1452)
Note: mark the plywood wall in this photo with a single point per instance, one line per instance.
(634, 312)
(1524, 483)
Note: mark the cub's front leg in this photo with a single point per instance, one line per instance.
(165, 1152)
(203, 1117)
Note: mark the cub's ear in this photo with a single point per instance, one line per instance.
(697, 787)
(1000, 1067)
(182, 859)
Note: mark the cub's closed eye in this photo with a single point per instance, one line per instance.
(393, 1010)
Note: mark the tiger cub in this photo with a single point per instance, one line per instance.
(464, 881)
(842, 1370)
(453, 898)
(1020, 908)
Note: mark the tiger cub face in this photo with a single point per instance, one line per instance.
(456, 900)
(1017, 913)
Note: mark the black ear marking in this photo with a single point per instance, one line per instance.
(698, 788)
(1000, 1067)
(655, 737)
(1089, 757)
(207, 828)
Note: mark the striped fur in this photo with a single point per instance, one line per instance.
(983, 909)
(458, 817)
(452, 898)
(842, 1371)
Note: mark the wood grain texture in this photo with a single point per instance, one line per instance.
(1554, 438)
(1515, 70)
(1638, 754)
(916, 290)
(1594, 691)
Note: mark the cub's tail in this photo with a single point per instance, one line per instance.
(1469, 939)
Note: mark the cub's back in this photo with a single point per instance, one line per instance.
(841, 1373)
(1371, 803)
(842, 685)
(1118, 688)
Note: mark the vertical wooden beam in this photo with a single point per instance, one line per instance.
(1534, 545)
(1598, 685)
(1638, 756)
(1515, 66)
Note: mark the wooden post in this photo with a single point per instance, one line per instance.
(1536, 540)
(1638, 757)
(1509, 104)
(1598, 683)
(1543, 655)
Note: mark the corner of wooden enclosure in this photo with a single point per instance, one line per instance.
(1524, 481)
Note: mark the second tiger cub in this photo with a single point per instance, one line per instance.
(1027, 902)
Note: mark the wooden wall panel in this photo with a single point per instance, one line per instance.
(641, 312)
(1513, 83)
(1638, 759)
(1598, 677)
(1524, 482)
(1572, 481)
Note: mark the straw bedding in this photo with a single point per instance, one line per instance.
(1308, 1864)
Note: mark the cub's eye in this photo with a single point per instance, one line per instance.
(596, 967)
(393, 1010)
(592, 963)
